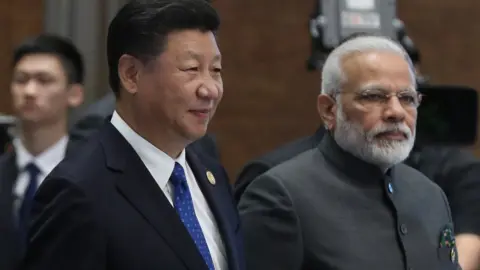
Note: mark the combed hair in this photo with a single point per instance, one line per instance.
(332, 73)
(62, 47)
(141, 29)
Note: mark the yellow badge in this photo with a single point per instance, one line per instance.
(211, 178)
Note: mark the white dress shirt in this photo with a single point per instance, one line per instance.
(45, 162)
(160, 166)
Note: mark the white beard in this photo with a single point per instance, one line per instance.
(364, 145)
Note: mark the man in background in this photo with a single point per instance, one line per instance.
(47, 81)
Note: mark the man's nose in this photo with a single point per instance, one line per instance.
(394, 112)
(209, 89)
(31, 88)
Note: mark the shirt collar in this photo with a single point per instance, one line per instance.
(159, 164)
(45, 161)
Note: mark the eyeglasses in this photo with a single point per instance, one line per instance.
(371, 97)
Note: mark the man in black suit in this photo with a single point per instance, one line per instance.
(133, 197)
(47, 81)
(90, 120)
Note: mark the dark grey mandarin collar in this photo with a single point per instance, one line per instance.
(357, 169)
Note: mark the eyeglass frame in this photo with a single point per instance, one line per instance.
(386, 95)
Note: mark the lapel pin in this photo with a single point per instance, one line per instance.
(211, 178)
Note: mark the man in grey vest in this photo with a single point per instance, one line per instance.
(350, 203)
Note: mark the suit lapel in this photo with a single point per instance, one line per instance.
(8, 177)
(9, 173)
(139, 188)
(214, 194)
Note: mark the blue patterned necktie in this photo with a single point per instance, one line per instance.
(183, 203)
(26, 207)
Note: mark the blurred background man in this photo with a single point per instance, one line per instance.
(47, 81)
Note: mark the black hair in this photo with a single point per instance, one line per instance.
(63, 48)
(141, 28)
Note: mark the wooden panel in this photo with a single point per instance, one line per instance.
(18, 20)
(270, 97)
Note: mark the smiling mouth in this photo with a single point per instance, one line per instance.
(202, 113)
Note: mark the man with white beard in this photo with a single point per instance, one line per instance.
(351, 203)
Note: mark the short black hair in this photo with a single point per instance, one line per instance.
(140, 29)
(63, 48)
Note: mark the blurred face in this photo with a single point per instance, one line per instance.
(181, 88)
(40, 90)
(376, 111)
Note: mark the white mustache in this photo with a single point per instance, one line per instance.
(383, 128)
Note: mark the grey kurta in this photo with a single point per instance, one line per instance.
(326, 209)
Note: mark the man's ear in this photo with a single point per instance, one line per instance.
(327, 109)
(128, 72)
(75, 95)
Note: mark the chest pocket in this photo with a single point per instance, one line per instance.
(447, 258)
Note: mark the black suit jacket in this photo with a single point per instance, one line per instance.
(9, 236)
(101, 209)
(259, 166)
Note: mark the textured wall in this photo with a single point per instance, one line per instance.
(270, 97)
(18, 19)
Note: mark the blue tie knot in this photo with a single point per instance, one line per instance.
(178, 178)
(32, 169)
